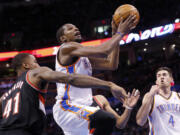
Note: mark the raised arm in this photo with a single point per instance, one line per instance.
(75, 49)
(146, 107)
(83, 81)
(109, 63)
(121, 120)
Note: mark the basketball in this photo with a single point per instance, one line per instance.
(123, 11)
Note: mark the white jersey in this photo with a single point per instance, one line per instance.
(75, 95)
(165, 116)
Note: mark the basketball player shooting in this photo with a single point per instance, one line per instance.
(72, 57)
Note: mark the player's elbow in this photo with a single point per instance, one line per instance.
(139, 122)
(115, 67)
(111, 67)
(103, 52)
(120, 126)
(120, 123)
(106, 51)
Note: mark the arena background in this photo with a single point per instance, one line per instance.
(30, 26)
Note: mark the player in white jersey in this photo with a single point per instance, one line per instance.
(161, 106)
(73, 109)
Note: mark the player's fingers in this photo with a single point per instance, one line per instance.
(131, 19)
(137, 93)
(133, 25)
(129, 94)
(121, 18)
(122, 100)
(133, 92)
(138, 96)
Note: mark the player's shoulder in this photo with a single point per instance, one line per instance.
(177, 93)
(71, 49)
(146, 97)
(39, 70)
(70, 45)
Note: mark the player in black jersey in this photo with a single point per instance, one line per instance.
(22, 107)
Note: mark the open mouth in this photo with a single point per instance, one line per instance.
(78, 34)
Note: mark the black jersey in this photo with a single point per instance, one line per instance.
(23, 107)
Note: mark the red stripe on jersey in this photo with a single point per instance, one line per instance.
(42, 99)
(32, 85)
(98, 102)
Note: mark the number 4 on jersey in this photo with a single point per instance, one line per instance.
(171, 120)
(8, 107)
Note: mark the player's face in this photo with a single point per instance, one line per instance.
(163, 79)
(31, 62)
(72, 33)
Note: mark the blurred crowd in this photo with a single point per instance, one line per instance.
(34, 25)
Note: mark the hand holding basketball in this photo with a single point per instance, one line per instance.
(123, 12)
(125, 18)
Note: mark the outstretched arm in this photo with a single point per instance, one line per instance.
(146, 106)
(121, 120)
(129, 104)
(82, 81)
(75, 49)
(109, 63)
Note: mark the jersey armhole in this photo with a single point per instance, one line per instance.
(57, 57)
(152, 107)
(32, 85)
(178, 95)
(59, 63)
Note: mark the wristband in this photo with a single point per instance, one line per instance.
(127, 107)
(120, 34)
